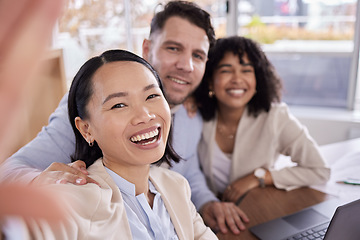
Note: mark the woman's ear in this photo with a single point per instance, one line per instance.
(83, 128)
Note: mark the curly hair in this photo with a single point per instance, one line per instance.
(268, 83)
(186, 10)
(80, 94)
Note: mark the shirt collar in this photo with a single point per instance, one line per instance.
(126, 186)
(175, 108)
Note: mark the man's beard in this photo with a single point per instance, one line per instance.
(173, 102)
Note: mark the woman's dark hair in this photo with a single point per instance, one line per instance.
(80, 93)
(268, 83)
(186, 10)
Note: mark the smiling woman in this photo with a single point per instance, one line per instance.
(135, 98)
(247, 126)
(122, 122)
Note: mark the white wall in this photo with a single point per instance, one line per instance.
(329, 125)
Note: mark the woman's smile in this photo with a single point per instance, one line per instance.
(236, 92)
(146, 137)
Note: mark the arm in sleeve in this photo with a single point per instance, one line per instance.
(201, 231)
(55, 143)
(200, 192)
(186, 135)
(295, 141)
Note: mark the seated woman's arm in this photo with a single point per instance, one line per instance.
(290, 138)
(296, 142)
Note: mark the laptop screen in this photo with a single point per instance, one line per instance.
(346, 223)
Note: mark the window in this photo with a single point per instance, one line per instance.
(89, 27)
(311, 43)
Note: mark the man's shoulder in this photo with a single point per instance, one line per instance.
(186, 133)
(182, 114)
(183, 122)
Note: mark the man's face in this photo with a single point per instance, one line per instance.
(178, 52)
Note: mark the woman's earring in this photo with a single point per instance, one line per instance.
(211, 93)
(91, 143)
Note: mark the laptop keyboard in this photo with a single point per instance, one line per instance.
(314, 233)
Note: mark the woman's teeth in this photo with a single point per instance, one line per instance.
(236, 91)
(146, 138)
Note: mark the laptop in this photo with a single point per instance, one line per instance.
(327, 220)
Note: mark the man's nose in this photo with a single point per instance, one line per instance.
(185, 62)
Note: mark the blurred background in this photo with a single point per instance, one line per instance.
(314, 45)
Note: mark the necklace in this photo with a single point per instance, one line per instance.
(225, 132)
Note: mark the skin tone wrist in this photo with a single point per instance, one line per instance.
(268, 178)
(254, 182)
(241, 186)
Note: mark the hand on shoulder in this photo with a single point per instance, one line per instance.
(61, 173)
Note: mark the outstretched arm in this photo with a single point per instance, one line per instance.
(46, 159)
(24, 36)
(26, 27)
(55, 143)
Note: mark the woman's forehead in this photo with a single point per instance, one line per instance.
(123, 75)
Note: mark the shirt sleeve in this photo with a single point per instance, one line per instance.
(200, 192)
(201, 231)
(14, 228)
(186, 137)
(295, 141)
(55, 143)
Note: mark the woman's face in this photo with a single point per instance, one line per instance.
(129, 117)
(234, 84)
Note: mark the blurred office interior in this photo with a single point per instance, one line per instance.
(314, 45)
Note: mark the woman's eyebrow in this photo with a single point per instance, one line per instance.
(124, 94)
(229, 65)
(148, 87)
(114, 95)
(224, 65)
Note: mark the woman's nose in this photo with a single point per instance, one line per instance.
(238, 76)
(142, 115)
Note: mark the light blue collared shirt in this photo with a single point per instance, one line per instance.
(145, 223)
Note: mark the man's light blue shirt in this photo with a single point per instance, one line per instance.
(145, 223)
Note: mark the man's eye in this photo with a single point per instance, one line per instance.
(173, 49)
(198, 56)
(152, 96)
(119, 105)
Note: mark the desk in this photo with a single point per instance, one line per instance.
(264, 204)
(344, 161)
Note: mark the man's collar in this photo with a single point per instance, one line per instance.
(175, 108)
